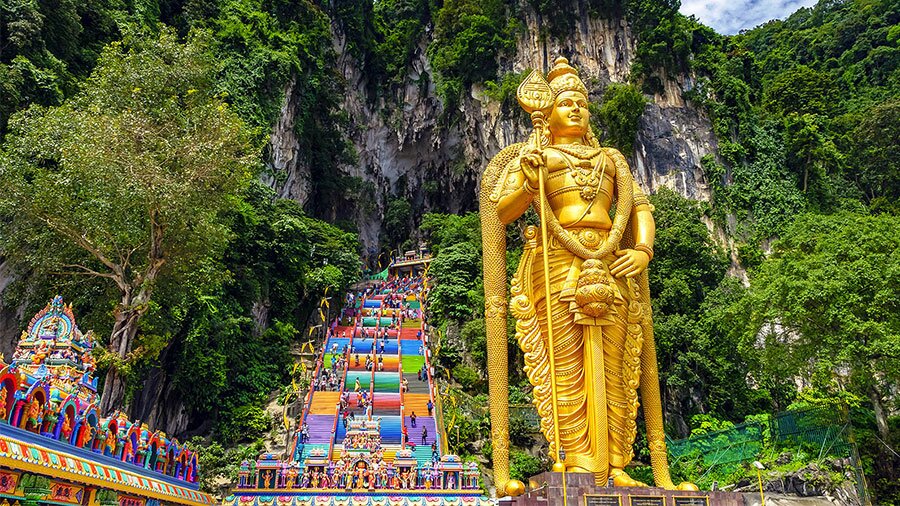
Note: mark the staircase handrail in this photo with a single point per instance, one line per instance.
(439, 422)
(348, 353)
(337, 415)
(343, 384)
(402, 395)
(435, 399)
(312, 384)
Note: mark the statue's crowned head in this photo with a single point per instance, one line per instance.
(569, 117)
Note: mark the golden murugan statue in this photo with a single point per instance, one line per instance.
(587, 365)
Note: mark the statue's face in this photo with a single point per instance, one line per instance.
(570, 115)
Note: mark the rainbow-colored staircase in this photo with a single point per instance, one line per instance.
(369, 434)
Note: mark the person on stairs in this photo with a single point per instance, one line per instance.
(412, 419)
(424, 435)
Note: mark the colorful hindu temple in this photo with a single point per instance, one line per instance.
(413, 263)
(56, 449)
(370, 432)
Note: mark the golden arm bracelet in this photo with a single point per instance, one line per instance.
(646, 249)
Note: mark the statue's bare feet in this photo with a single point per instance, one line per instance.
(621, 479)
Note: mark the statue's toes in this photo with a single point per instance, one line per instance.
(621, 479)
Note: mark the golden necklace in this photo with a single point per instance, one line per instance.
(585, 173)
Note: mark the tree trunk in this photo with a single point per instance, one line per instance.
(805, 175)
(123, 334)
(880, 415)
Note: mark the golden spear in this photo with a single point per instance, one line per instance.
(535, 96)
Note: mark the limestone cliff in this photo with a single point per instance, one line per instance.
(410, 140)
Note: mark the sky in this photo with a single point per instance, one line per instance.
(731, 16)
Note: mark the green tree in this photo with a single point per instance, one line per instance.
(126, 180)
(397, 221)
(468, 37)
(811, 153)
(458, 292)
(443, 230)
(800, 90)
(699, 358)
(46, 46)
(620, 113)
(825, 305)
(877, 153)
(238, 334)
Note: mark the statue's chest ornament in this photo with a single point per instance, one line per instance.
(587, 175)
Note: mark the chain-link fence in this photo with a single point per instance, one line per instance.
(527, 416)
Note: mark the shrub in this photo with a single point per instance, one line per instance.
(467, 377)
(523, 466)
(245, 423)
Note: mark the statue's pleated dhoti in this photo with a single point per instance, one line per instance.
(596, 361)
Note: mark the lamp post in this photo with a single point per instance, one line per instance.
(759, 467)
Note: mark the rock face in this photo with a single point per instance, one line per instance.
(11, 324)
(434, 158)
(810, 486)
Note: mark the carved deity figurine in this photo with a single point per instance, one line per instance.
(87, 434)
(34, 415)
(66, 429)
(128, 451)
(110, 442)
(580, 295)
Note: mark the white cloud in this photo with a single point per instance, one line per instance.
(731, 16)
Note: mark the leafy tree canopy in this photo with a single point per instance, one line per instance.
(126, 180)
(825, 306)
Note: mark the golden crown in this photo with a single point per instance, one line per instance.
(564, 77)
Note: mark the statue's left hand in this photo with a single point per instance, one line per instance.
(630, 263)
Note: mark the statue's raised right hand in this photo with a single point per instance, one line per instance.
(531, 162)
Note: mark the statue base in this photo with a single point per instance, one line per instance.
(546, 489)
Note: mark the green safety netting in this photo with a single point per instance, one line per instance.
(382, 276)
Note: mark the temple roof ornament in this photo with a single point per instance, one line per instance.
(48, 388)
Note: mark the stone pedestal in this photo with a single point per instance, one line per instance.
(546, 489)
